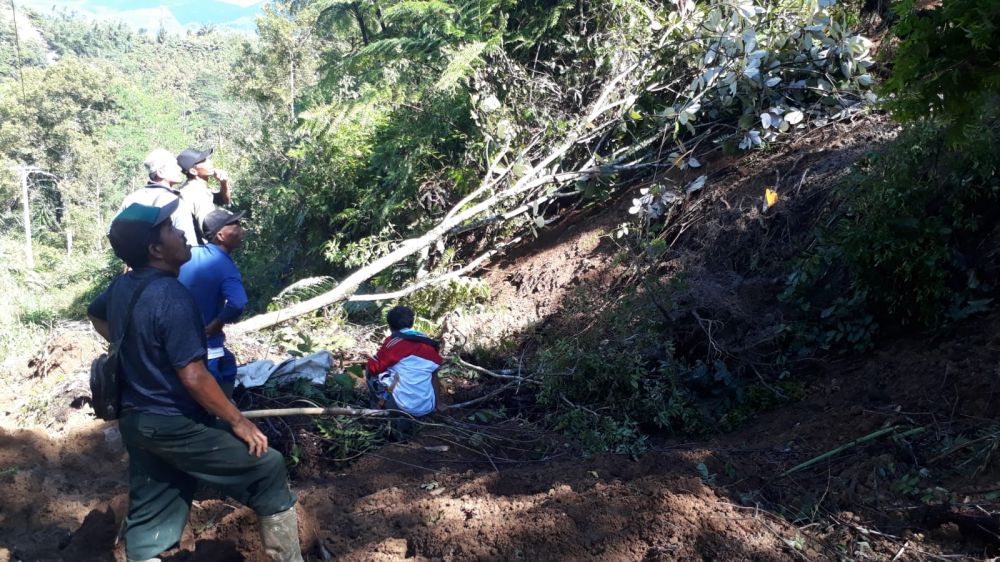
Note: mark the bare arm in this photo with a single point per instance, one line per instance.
(101, 326)
(214, 327)
(223, 196)
(205, 390)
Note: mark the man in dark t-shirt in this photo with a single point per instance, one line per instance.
(178, 426)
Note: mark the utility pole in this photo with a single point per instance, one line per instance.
(25, 172)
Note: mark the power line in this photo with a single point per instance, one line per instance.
(17, 43)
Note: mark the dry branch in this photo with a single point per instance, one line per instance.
(490, 373)
(483, 398)
(846, 446)
(471, 266)
(353, 412)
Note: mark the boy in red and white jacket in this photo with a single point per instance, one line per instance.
(403, 374)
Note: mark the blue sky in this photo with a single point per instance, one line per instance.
(174, 15)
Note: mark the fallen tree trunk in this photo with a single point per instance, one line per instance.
(536, 177)
(407, 248)
(471, 266)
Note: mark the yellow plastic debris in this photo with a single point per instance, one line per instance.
(770, 198)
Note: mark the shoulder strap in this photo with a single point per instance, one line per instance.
(131, 306)
(198, 229)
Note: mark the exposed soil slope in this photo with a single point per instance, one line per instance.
(63, 478)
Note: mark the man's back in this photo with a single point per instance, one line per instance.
(200, 199)
(406, 362)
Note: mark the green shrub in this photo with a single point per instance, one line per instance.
(617, 379)
(945, 63)
(915, 219)
(436, 301)
(907, 246)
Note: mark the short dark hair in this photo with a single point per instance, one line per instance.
(399, 317)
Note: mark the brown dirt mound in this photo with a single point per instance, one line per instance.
(603, 508)
(531, 283)
(69, 349)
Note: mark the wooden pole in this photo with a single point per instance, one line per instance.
(357, 412)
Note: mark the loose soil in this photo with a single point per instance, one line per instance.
(64, 486)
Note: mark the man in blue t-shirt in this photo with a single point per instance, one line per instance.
(178, 427)
(217, 288)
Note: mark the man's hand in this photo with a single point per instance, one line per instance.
(224, 196)
(248, 432)
(205, 390)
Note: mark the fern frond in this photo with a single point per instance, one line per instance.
(418, 8)
(396, 46)
(461, 62)
(305, 289)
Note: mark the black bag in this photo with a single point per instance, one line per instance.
(105, 371)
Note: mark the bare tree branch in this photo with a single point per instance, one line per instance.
(490, 373)
(472, 265)
(534, 178)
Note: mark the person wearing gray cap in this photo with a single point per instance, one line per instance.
(198, 168)
(178, 427)
(164, 174)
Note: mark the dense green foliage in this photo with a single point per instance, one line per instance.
(383, 115)
(916, 221)
(911, 247)
(32, 52)
(946, 62)
(89, 103)
(621, 369)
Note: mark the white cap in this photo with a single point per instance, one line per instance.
(158, 160)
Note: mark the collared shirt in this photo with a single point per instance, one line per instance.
(165, 334)
(216, 285)
(158, 195)
(200, 199)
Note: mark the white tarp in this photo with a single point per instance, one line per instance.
(312, 367)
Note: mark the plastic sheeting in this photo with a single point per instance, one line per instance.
(312, 367)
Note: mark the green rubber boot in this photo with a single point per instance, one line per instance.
(280, 535)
